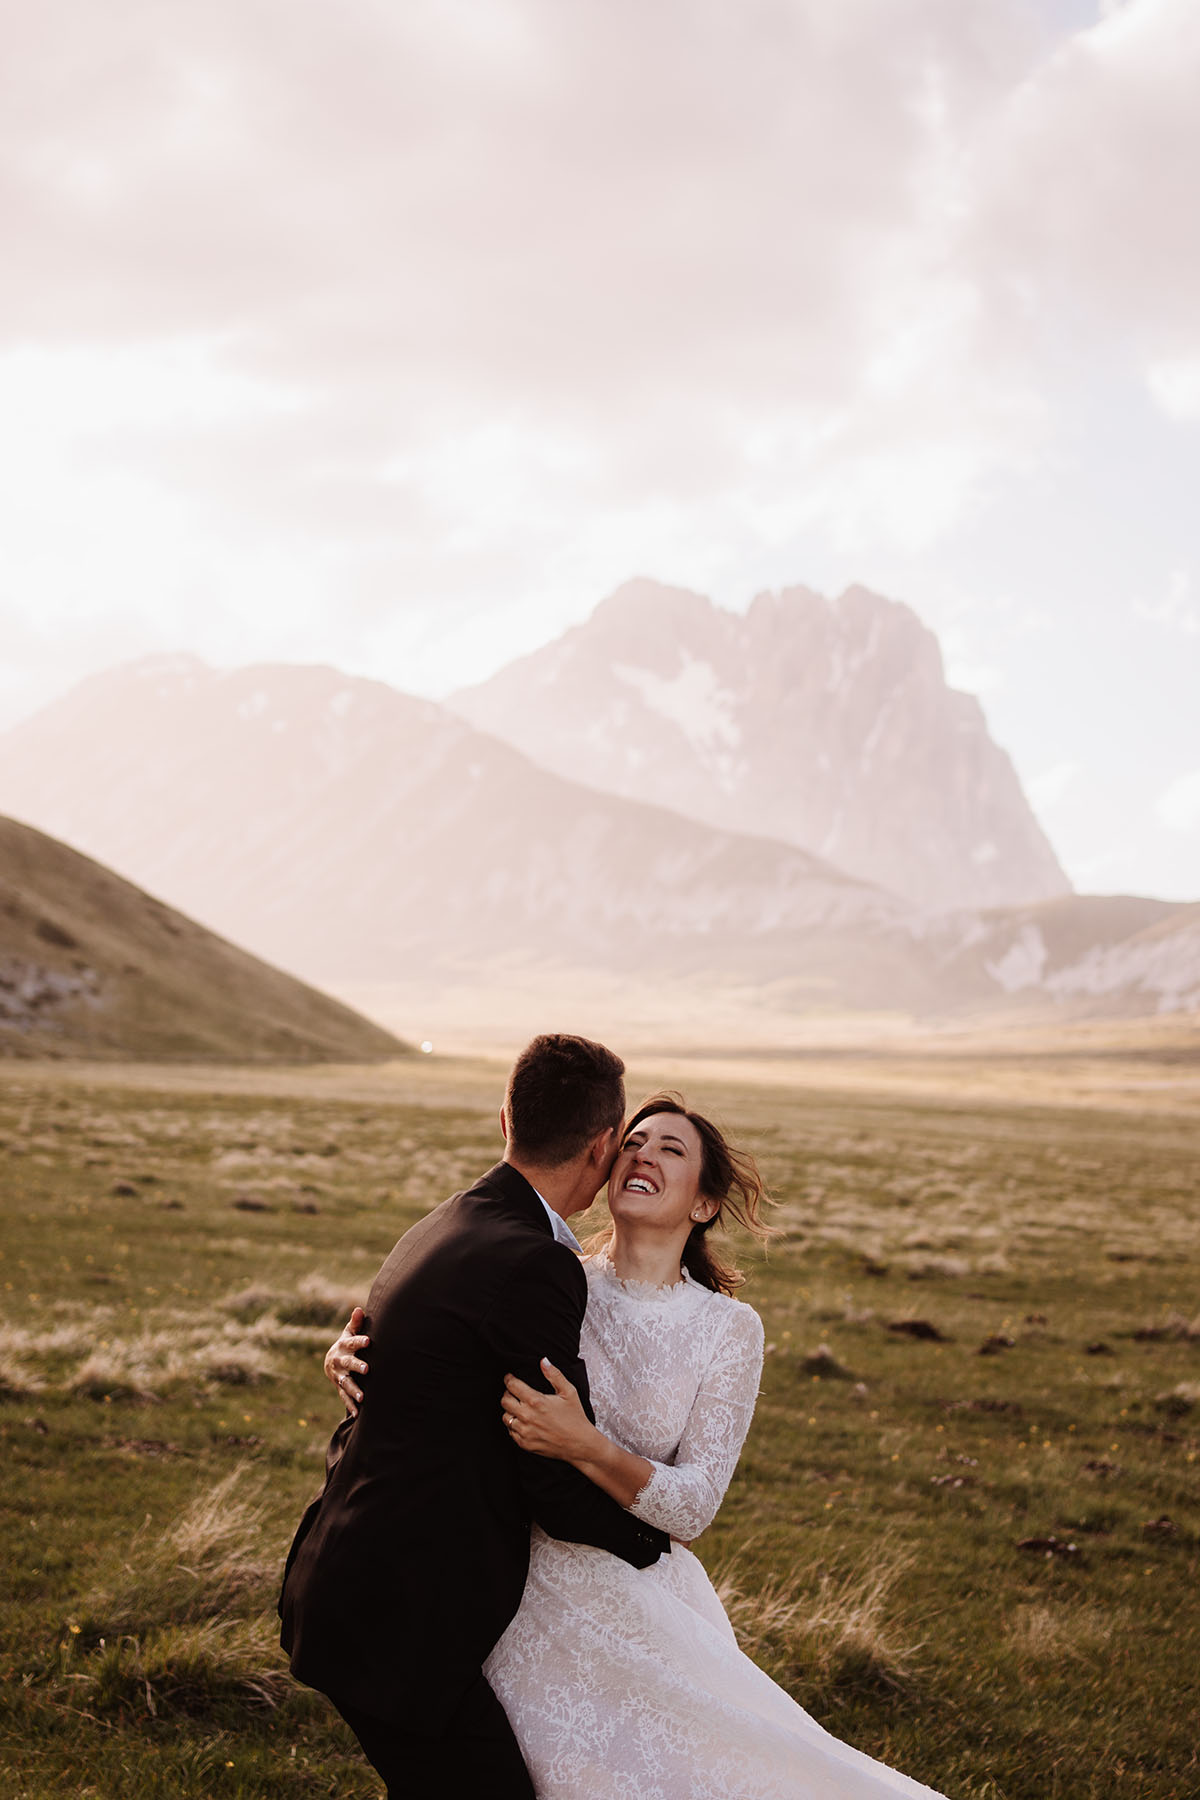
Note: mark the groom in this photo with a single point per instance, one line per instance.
(410, 1563)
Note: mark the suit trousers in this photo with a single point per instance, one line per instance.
(478, 1754)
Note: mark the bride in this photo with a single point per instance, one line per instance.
(623, 1683)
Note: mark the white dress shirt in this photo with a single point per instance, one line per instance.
(558, 1225)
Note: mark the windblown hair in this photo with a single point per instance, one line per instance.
(562, 1093)
(727, 1175)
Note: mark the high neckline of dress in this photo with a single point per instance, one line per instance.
(669, 1293)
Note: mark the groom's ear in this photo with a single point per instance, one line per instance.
(605, 1147)
(504, 1122)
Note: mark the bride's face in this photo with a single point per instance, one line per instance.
(656, 1176)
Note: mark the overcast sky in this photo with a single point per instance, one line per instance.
(396, 333)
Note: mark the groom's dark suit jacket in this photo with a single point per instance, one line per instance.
(410, 1563)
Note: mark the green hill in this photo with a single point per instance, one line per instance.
(92, 966)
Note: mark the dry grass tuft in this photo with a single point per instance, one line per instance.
(1048, 1634)
(831, 1633)
(250, 1303)
(318, 1301)
(215, 1562)
(923, 1267)
(315, 1302)
(1180, 1399)
(189, 1624)
(175, 1353)
(18, 1380)
(1176, 1328)
(219, 1540)
(190, 1669)
(242, 1362)
(158, 1363)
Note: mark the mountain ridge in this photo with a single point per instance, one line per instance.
(824, 723)
(399, 825)
(357, 835)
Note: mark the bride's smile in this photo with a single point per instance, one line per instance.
(656, 1175)
(654, 1197)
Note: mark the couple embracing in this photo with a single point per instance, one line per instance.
(494, 1585)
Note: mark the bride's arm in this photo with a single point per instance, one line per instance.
(556, 1425)
(682, 1496)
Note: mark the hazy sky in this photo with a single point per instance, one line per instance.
(396, 333)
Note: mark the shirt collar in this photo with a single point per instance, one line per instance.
(558, 1225)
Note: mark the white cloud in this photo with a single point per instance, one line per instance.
(1178, 806)
(657, 227)
(670, 236)
(1175, 385)
(170, 385)
(1176, 609)
(1087, 183)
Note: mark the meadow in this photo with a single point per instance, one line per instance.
(964, 1532)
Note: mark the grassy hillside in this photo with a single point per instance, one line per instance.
(92, 966)
(969, 1546)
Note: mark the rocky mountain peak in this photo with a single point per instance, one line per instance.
(641, 602)
(825, 723)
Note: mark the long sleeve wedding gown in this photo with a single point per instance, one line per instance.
(627, 1684)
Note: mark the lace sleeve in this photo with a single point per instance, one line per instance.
(682, 1496)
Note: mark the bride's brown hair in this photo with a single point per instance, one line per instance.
(727, 1175)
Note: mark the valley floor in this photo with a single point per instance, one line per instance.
(965, 1532)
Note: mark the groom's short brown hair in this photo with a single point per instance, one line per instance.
(563, 1092)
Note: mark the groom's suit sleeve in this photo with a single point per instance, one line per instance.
(539, 1314)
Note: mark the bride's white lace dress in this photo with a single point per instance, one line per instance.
(627, 1684)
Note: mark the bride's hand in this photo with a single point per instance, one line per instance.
(342, 1364)
(548, 1424)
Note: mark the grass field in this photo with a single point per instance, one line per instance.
(970, 1545)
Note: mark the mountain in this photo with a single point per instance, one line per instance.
(343, 830)
(827, 724)
(92, 966)
(1083, 955)
(360, 837)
